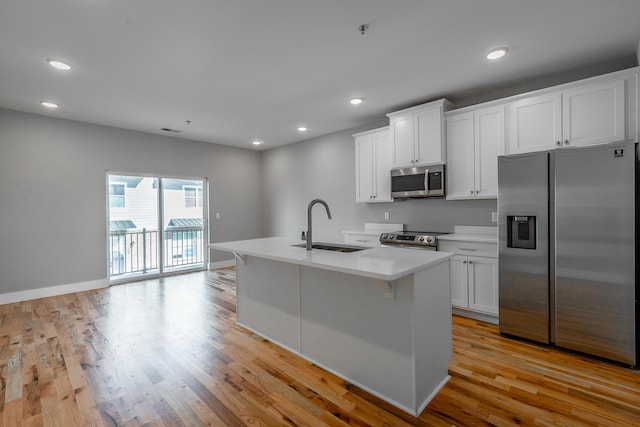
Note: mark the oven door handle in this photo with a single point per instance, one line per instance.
(426, 181)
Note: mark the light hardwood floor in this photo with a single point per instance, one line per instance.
(168, 353)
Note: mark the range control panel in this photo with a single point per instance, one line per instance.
(410, 238)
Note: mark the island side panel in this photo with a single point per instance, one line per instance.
(269, 300)
(433, 334)
(350, 328)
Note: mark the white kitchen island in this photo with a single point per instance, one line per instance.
(379, 318)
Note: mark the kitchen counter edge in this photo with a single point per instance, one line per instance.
(396, 262)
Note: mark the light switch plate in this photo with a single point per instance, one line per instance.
(386, 216)
(494, 216)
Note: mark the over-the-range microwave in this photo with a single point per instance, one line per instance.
(417, 182)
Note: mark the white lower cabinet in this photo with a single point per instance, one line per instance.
(474, 278)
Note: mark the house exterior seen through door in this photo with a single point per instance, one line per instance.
(156, 225)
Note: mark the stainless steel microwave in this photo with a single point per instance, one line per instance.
(417, 181)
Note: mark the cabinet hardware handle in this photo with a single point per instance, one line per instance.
(464, 262)
(470, 191)
(566, 142)
(468, 249)
(558, 143)
(477, 191)
(470, 262)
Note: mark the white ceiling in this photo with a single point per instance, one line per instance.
(241, 70)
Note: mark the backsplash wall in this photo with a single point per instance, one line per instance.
(324, 167)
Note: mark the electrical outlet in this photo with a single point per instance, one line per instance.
(494, 216)
(386, 216)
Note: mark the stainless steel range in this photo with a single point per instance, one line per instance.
(425, 240)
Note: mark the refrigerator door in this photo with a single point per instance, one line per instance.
(523, 245)
(595, 250)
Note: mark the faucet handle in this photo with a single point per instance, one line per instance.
(303, 236)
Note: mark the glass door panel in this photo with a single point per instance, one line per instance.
(183, 223)
(132, 226)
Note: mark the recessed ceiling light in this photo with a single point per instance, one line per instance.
(49, 104)
(58, 64)
(497, 53)
(302, 128)
(256, 142)
(356, 101)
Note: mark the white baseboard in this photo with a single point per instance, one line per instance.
(489, 318)
(221, 264)
(52, 291)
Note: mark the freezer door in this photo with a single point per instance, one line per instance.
(595, 250)
(523, 249)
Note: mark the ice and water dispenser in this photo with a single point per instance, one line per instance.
(521, 231)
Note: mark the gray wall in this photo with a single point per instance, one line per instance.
(53, 202)
(324, 167)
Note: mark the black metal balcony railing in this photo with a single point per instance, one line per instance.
(137, 251)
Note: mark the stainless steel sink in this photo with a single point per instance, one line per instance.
(333, 247)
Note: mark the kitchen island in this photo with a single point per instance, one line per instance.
(379, 318)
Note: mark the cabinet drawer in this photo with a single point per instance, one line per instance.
(469, 248)
(362, 239)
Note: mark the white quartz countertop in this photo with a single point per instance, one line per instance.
(469, 238)
(384, 263)
(472, 234)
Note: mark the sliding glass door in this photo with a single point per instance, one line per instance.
(183, 219)
(156, 225)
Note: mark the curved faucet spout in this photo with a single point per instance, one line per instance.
(309, 227)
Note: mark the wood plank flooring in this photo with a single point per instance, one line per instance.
(168, 353)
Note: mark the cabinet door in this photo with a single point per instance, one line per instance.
(489, 143)
(429, 146)
(458, 279)
(483, 284)
(382, 167)
(460, 162)
(402, 138)
(364, 168)
(535, 124)
(594, 114)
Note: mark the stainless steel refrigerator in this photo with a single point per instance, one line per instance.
(568, 247)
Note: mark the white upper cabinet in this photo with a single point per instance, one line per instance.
(417, 136)
(475, 139)
(373, 165)
(430, 145)
(459, 170)
(585, 114)
(594, 114)
(535, 123)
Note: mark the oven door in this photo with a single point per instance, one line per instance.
(416, 182)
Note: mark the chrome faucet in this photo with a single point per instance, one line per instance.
(311, 203)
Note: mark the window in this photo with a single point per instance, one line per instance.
(116, 195)
(192, 197)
